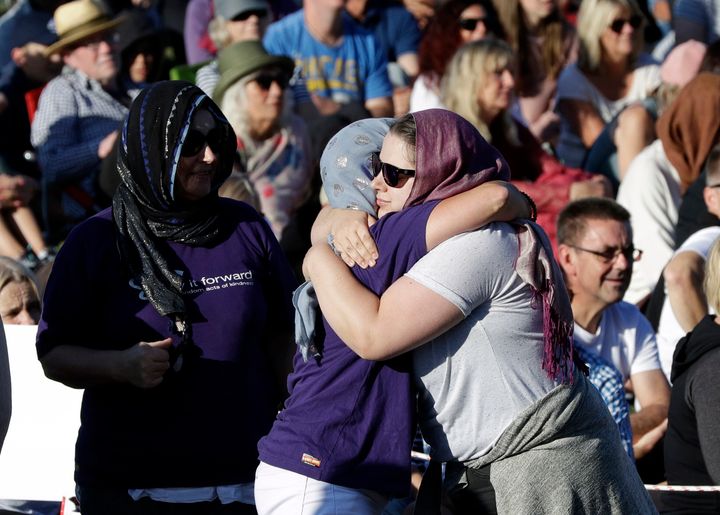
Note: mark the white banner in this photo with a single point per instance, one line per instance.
(37, 460)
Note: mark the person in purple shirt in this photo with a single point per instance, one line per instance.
(172, 310)
(345, 434)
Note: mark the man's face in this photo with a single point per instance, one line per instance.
(595, 279)
(95, 57)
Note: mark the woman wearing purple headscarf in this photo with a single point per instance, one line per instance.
(487, 317)
(344, 437)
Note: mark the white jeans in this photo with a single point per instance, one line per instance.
(281, 492)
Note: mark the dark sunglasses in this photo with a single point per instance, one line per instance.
(469, 24)
(391, 174)
(617, 25)
(260, 13)
(265, 80)
(195, 141)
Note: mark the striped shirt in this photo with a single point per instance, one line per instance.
(74, 114)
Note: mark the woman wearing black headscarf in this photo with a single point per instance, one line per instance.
(170, 310)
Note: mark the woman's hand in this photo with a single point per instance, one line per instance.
(145, 363)
(351, 239)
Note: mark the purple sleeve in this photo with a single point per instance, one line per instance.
(197, 16)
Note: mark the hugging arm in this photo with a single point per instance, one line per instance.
(406, 316)
(369, 325)
(486, 203)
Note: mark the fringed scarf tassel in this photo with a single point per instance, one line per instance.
(557, 360)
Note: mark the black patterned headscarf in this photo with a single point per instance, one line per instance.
(145, 210)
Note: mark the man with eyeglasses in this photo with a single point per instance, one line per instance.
(596, 253)
(79, 111)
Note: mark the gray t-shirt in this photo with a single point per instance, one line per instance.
(476, 378)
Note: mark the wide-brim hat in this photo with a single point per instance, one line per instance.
(242, 59)
(77, 20)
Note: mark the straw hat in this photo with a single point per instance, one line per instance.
(77, 20)
(242, 59)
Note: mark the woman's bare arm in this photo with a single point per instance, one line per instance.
(406, 316)
(583, 118)
(490, 202)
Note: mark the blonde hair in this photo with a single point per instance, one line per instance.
(593, 18)
(712, 276)
(218, 32)
(467, 72)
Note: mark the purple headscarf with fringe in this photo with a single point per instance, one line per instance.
(451, 157)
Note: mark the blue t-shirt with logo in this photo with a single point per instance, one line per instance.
(350, 421)
(354, 70)
(199, 427)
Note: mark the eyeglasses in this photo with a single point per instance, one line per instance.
(618, 24)
(265, 79)
(391, 174)
(260, 13)
(469, 24)
(195, 141)
(611, 255)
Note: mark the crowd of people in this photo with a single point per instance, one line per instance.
(506, 214)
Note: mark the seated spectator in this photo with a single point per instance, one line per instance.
(685, 302)
(596, 253)
(273, 144)
(479, 86)
(457, 22)
(20, 234)
(680, 67)
(661, 173)
(80, 111)
(140, 46)
(235, 21)
(19, 297)
(198, 45)
(544, 44)
(342, 64)
(399, 35)
(600, 98)
(692, 448)
(696, 19)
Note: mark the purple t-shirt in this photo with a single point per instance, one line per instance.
(199, 427)
(350, 421)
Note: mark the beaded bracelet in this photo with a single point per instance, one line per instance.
(531, 205)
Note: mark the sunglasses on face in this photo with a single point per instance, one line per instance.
(470, 24)
(195, 141)
(391, 174)
(260, 13)
(618, 24)
(265, 80)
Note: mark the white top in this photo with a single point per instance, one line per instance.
(669, 329)
(423, 96)
(574, 85)
(476, 378)
(650, 191)
(624, 337)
